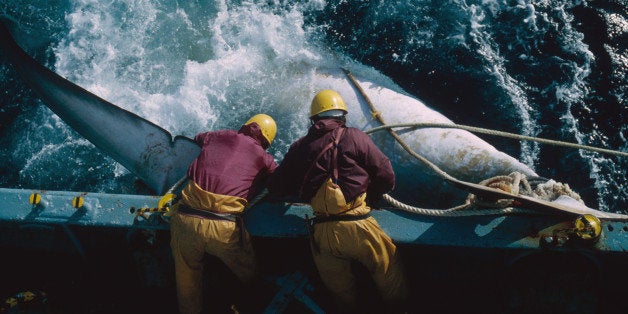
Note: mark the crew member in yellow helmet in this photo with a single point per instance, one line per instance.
(327, 103)
(342, 173)
(267, 126)
(207, 216)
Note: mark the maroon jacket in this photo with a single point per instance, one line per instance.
(362, 167)
(232, 163)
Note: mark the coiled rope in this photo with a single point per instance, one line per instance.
(458, 211)
(508, 184)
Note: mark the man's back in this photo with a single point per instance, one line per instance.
(230, 162)
(361, 165)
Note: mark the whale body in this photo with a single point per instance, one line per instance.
(457, 152)
(160, 159)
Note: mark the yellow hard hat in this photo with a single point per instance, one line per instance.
(266, 124)
(327, 100)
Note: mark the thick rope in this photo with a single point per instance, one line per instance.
(463, 210)
(498, 133)
(394, 134)
(471, 200)
(476, 206)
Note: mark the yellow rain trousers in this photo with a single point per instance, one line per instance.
(193, 236)
(338, 243)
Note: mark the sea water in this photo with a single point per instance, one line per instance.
(552, 69)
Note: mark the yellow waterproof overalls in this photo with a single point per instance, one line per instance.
(203, 223)
(345, 232)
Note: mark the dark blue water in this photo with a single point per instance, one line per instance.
(553, 69)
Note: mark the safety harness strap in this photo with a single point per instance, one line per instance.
(334, 145)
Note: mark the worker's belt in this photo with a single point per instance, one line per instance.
(321, 219)
(310, 222)
(190, 211)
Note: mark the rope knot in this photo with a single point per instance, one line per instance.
(511, 184)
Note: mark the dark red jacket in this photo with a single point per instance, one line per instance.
(232, 163)
(362, 167)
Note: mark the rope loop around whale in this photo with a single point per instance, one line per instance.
(497, 133)
(469, 208)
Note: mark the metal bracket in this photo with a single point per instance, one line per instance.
(292, 286)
